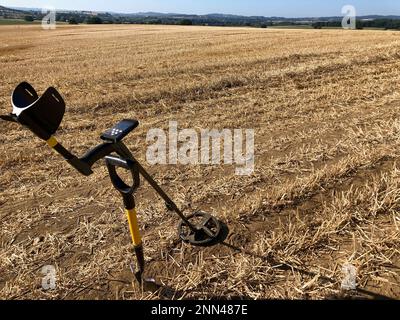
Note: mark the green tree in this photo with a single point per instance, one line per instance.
(186, 22)
(29, 18)
(94, 20)
(317, 25)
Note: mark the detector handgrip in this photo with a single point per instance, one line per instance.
(113, 163)
(98, 153)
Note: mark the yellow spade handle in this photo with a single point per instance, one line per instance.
(134, 227)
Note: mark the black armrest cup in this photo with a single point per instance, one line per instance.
(42, 115)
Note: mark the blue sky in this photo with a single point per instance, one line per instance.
(286, 8)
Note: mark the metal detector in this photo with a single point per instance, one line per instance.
(43, 116)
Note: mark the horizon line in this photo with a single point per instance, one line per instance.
(205, 14)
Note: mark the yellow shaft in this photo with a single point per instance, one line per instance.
(52, 142)
(134, 227)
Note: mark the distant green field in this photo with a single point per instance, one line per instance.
(6, 22)
(16, 22)
(291, 27)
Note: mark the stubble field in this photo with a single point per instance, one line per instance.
(325, 192)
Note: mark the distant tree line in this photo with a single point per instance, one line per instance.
(211, 20)
(258, 23)
(381, 23)
(361, 24)
(107, 18)
(175, 21)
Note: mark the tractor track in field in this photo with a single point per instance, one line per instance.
(222, 87)
(312, 201)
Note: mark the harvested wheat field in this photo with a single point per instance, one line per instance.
(325, 107)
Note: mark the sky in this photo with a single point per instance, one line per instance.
(281, 8)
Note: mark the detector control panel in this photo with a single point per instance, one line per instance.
(120, 131)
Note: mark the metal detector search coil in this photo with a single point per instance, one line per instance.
(43, 116)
